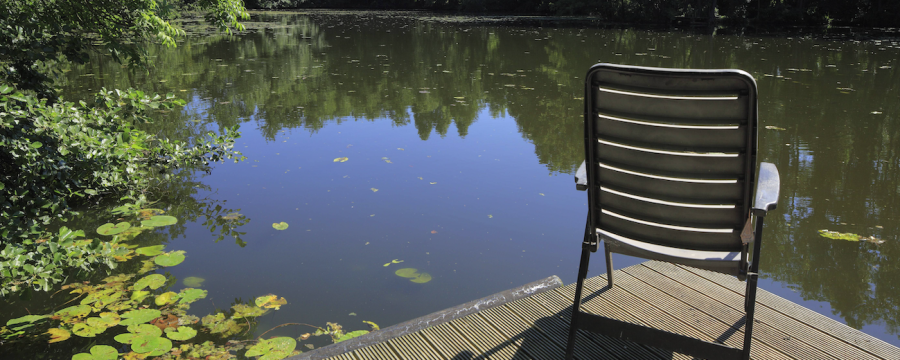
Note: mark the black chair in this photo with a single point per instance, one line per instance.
(670, 165)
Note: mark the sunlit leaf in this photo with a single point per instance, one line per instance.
(98, 352)
(160, 220)
(181, 334)
(341, 159)
(113, 229)
(272, 349)
(838, 235)
(166, 298)
(139, 295)
(153, 281)
(74, 311)
(270, 302)
(406, 272)
(86, 330)
(193, 281)
(373, 189)
(373, 325)
(351, 335)
(135, 317)
(422, 278)
(27, 319)
(169, 259)
(57, 335)
(150, 250)
(155, 346)
(280, 226)
(190, 295)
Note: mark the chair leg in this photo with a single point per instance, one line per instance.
(750, 307)
(573, 323)
(609, 265)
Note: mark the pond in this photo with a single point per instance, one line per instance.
(448, 144)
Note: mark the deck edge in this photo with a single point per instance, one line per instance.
(433, 319)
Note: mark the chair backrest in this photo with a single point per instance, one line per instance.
(671, 154)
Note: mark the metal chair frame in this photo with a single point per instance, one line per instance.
(623, 98)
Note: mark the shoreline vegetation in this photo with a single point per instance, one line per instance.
(779, 13)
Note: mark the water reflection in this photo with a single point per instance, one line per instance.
(837, 101)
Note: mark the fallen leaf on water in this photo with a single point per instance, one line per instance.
(838, 235)
(374, 189)
(541, 194)
(876, 113)
(367, 243)
(309, 346)
(280, 226)
(420, 178)
(401, 149)
(341, 159)
(490, 216)
(434, 231)
(352, 314)
(770, 127)
(433, 183)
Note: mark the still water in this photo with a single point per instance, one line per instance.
(461, 137)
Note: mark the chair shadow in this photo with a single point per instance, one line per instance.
(547, 337)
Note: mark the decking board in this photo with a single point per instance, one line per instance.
(685, 300)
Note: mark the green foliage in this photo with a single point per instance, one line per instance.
(98, 352)
(273, 349)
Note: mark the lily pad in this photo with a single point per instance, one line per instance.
(351, 335)
(181, 334)
(57, 335)
(150, 250)
(160, 220)
(272, 349)
(193, 281)
(141, 316)
(154, 346)
(98, 352)
(28, 320)
(87, 330)
(270, 302)
(838, 235)
(421, 278)
(153, 281)
(169, 259)
(190, 295)
(166, 298)
(113, 229)
(280, 226)
(406, 272)
(74, 311)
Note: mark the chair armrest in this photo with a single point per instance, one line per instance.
(581, 177)
(767, 187)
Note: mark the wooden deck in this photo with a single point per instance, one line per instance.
(679, 299)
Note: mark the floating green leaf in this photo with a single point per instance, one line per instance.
(414, 275)
(406, 272)
(74, 311)
(154, 346)
(218, 324)
(166, 298)
(153, 281)
(87, 330)
(134, 317)
(270, 302)
(27, 319)
(190, 295)
(57, 335)
(159, 220)
(150, 250)
(351, 335)
(112, 229)
(98, 352)
(193, 281)
(181, 334)
(422, 278)
(341, 159)
(273, 349)
(838, 235)
(245, 311)
(169, 259)
(280, 226)
(138, 330)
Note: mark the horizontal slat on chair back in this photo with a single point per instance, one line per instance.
(671, 156)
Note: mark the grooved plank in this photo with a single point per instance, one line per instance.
(726, 290)
(413, 347)
(450, 344)
(617, 299)
(342, 357)
(709, 315)
(377, 351)
(493, 344)
(556, 329)
(562, 306)
(536, 344)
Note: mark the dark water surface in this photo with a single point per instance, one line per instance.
(481, 125)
